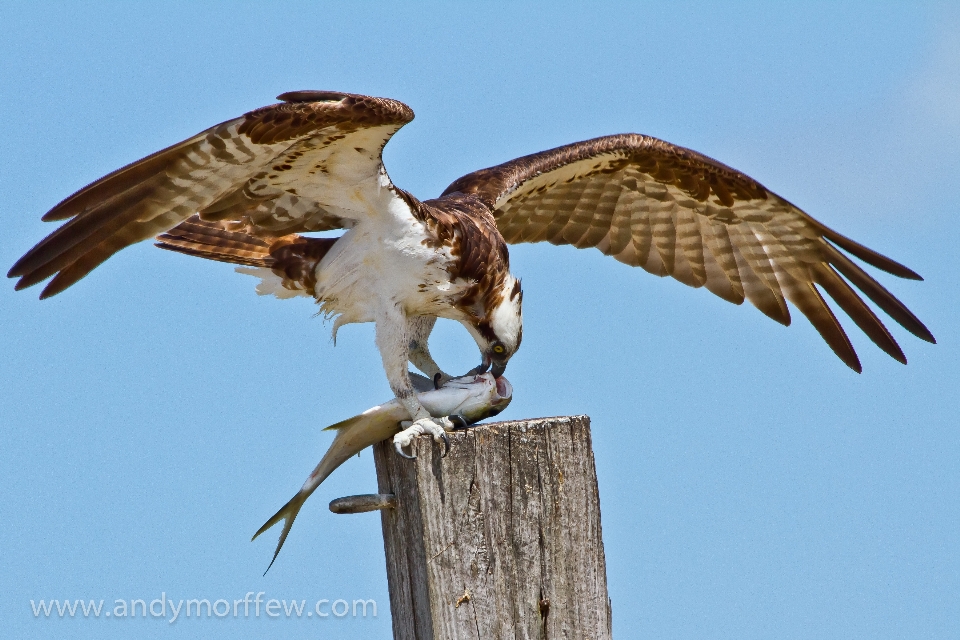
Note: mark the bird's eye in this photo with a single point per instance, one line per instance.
(498, 348)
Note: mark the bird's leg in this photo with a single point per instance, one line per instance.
(419, 329)
(393, 341)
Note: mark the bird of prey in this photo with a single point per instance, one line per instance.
(246, 190)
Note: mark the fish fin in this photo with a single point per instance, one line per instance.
(287, 513)
(343, 424)
(421, 383)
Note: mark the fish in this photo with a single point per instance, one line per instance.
(467, 400)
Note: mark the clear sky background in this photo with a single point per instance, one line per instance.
(155, 414)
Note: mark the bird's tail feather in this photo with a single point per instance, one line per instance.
(292, 258)
(210, 240)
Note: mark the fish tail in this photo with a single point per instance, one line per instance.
(287, 513)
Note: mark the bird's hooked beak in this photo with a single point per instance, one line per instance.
(481, 368)
(499, 366)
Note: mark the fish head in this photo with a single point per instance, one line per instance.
(489, 396)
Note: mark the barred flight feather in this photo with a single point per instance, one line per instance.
(680, 213)
(244, 190)
(157, 193)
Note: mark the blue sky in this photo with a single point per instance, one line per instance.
(155, 414)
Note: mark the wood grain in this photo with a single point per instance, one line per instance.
(500, 539)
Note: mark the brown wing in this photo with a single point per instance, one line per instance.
(676, 212)
(306, 164)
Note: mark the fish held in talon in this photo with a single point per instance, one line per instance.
(469, 398)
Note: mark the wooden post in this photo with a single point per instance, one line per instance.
(500, 539)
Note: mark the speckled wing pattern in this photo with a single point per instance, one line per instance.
(673, 211)
(305, 164)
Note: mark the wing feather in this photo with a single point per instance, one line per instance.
(876, 292)
(766, 287)
(591, 215)
(664, 234)
(811, 304)
(717, 282)
(722, 252)
(769, 302)
(290, 167)
(673, 211)
(565, 198)
(857, 310)
(690, 241)
(643, 239)
(597, 222)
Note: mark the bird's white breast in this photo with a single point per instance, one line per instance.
(385, 259)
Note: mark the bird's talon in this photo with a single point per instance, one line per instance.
(446, 444)
(437, 378)
(459, 422)
(396, 445)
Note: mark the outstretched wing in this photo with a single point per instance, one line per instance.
(312, 162)
(676, 212)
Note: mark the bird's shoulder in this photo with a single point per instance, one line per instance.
(465, 225)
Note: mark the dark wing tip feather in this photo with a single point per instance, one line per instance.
(17, 269)
(857, 310)
(839, 342)
(869, 256)
(50, 291)
(804, 295)
(55, 214)
(58, 285)
(22, 284)
(876, 292)
(29, 279)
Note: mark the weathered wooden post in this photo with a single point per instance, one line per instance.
(500, 539)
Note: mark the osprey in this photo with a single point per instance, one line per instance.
(243, 191)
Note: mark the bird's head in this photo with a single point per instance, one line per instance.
(499, 332)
